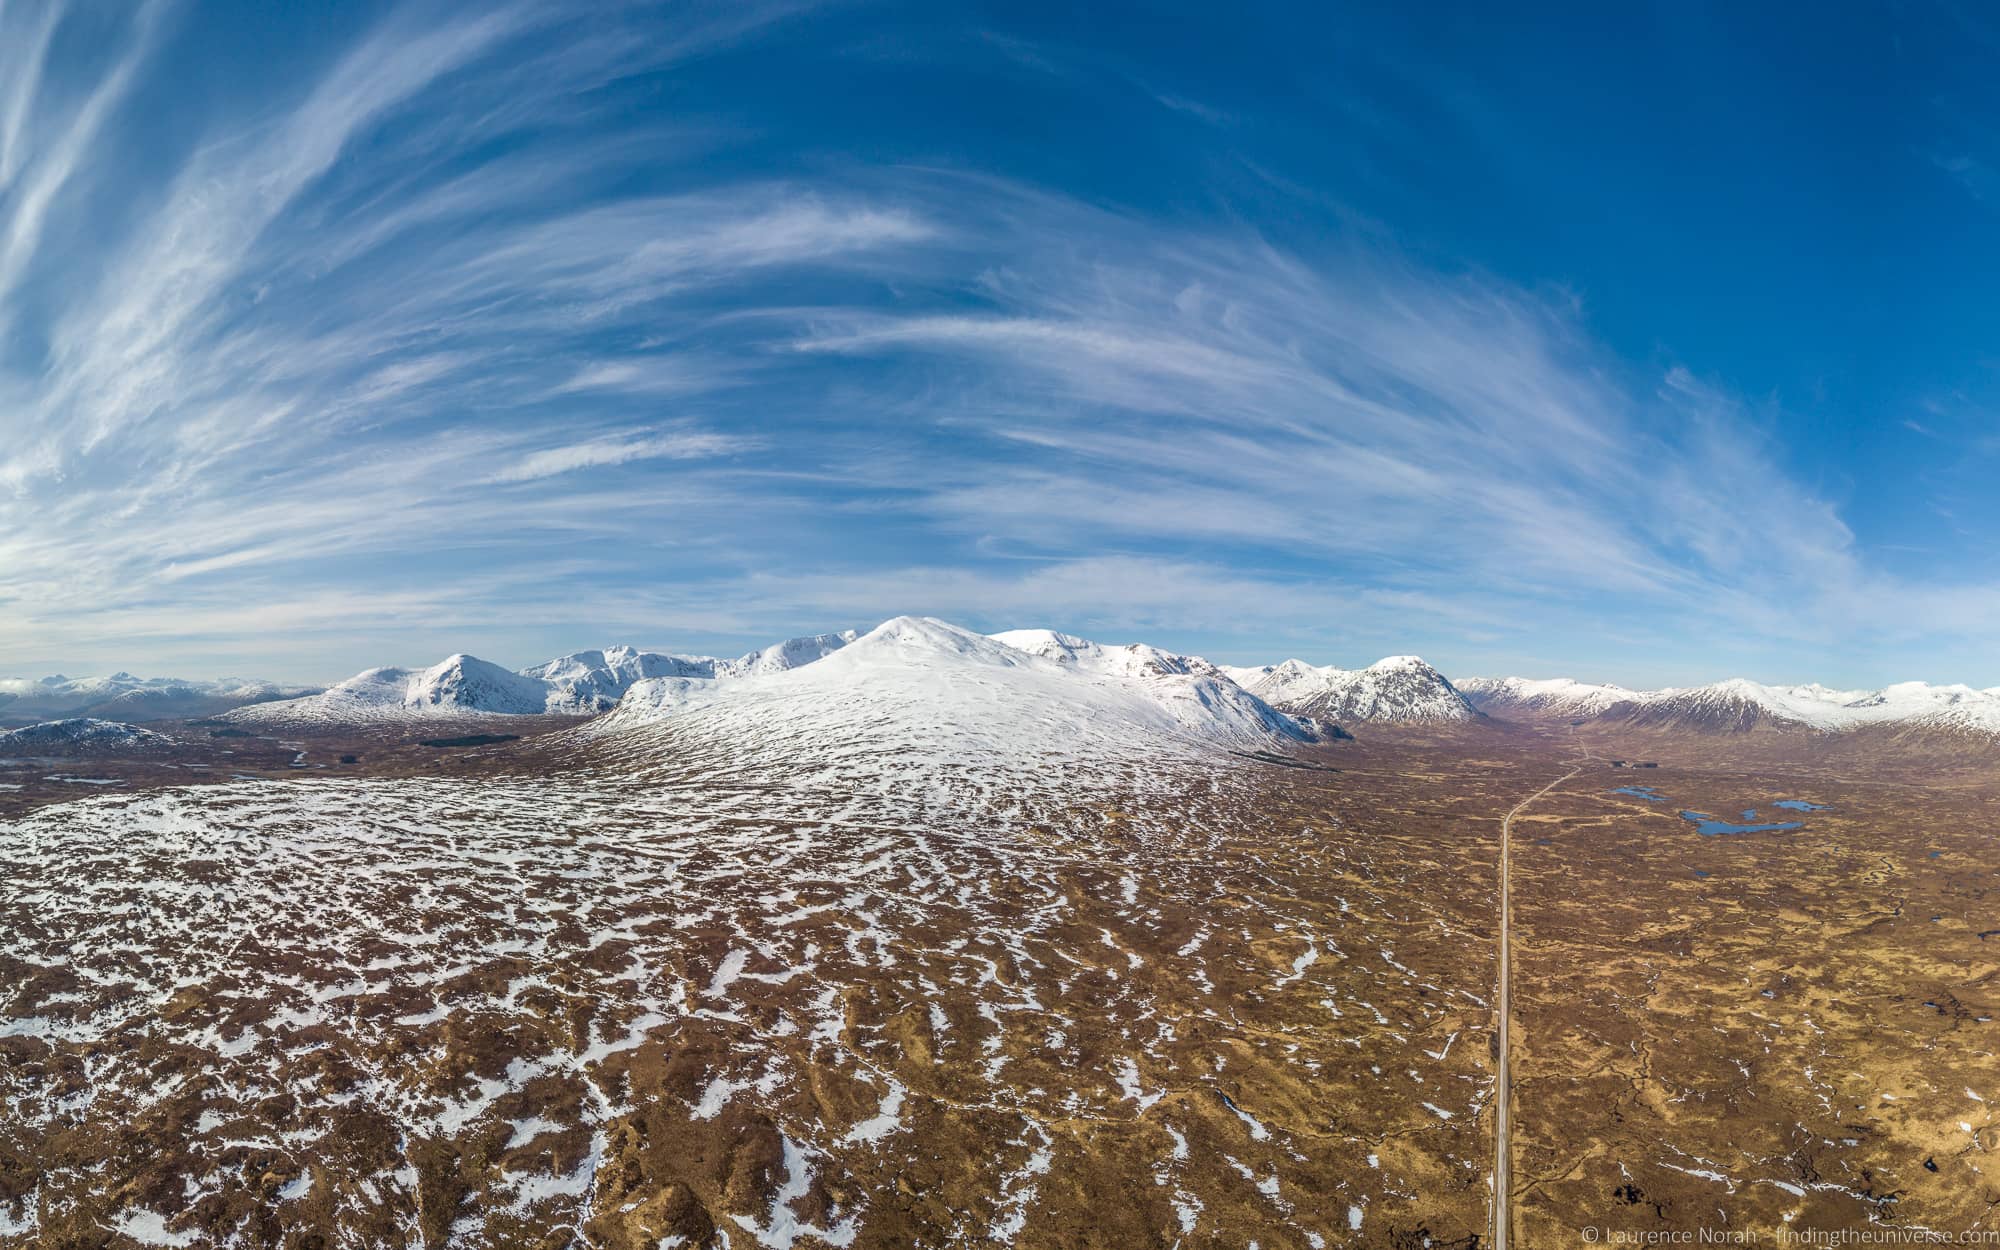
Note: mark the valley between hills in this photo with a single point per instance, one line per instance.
(954, 942)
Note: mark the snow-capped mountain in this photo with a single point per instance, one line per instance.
(1279, 682)
(1555, 696)
(594, 681)
(1737, 705)
(465, 681)
(123, 697)
(1919, 704)
(919, 702)
(1400, 688)
(1740, 706)
(100, 736)
(1131, 660)
(586, 683)
(583, 683)
(972, 685)
(459, 686)
(780, 656)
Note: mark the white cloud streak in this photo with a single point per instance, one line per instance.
(415, 351)
(616, 450)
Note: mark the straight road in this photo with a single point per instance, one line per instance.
(1503, 1177)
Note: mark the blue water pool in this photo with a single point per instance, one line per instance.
(1642, 792)
(1709, 827)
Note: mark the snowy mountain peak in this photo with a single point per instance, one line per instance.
(1739, 704)
(594, 681)
(919, 702)
(906, 635)
(1398, 688)
(1735, 688)
(582, 683)
(1400, 663)
(1049, 644)
(790, 654)
(460, 685)
(1035, 639)
(1135, 659)
(124, 698)
(1560, 696)
(469, 682)
(1282, 683)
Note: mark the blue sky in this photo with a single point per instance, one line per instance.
(1651, 346)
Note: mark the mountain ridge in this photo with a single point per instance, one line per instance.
(1739, 705)
(1397, 688)
(945, 716)
(1401, 689)
(123, 697)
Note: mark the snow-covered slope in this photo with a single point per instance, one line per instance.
(594, 681)
(121, 696)
(780, 656)
(1555, 696)
(1400, 688)
(1919, 704)
(1740, 706)
(1128, 660)
(583, 683)
(464, 681)
(108, 737)
(460, 686)
(920, 703)
(1283, 682)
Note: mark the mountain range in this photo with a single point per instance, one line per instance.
(1741, 706)
(944, 716)
(583, 683)
(123, 697)
(1002, 675)
(1401, 688)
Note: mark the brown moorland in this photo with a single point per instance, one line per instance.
(511, 995)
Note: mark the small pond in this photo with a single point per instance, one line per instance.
(1710, 827)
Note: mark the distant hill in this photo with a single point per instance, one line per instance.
(1742, 706)
(123, 697)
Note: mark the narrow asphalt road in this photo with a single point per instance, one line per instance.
(1503, 1172)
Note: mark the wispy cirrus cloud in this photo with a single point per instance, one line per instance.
(1182, 389)
(618, 449)
(455, 336)
(305, 364)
